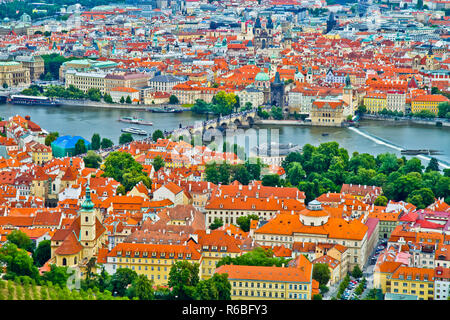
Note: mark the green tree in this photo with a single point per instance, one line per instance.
(211, 172)
(200, 106)
(128, 100)
(121, 280)
(158, 163)
(183, 279)
(224, 173)
(92, 159)
(52, 136)
(94, 94)
(157, 134)
(356, 272)
(106, 143)
(244, 221)
(125, 169)
(21, 240)
(205, 290)
(317, 297)
(223, 286)
(295, 173)
(271, 180)
(217, 223)
(421, 198)
(381, 201)
(321, 273)
(241, 174)
(276, 113)
(141, 288)
(95, 141)
(17, 262)
(412, 165)
(254, 168)
(362, 109)
(57, 275)
(444, 110)
(256, 257)
(107, 98)
(42, 253)
(125, 138)
(433, 165)
(80, 147)
(247, 106)
(223, 103)
(173, 100)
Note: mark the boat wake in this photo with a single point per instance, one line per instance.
(392, 145)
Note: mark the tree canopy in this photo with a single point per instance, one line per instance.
(125, 169)
(256, 257)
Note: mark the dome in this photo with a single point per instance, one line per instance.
(87, 205)
(262, 76)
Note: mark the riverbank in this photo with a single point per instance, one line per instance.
(282, 122)
(104, 105)
(95, 104)
(406, 120)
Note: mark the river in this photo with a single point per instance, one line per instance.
(373, 137)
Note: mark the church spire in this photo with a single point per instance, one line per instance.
(87, 205)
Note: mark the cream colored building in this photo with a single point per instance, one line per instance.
(33, 63)
(13, 73)
(328, 113)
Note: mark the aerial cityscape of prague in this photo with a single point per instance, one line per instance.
(238, 150)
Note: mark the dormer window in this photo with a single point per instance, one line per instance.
(136, 253)
(163, 254)
(119, 253)
(153, 254)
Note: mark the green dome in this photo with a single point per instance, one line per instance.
(87, 205)
(262, 76)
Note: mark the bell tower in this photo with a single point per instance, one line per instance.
(87, 220)
(347, 95)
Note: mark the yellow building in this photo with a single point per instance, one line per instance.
(375, 102)
(429, 102)
(40, 153)
(270, 283)
(215, 245)
(152, 260)
(414, 281)
(382, 275)
(13, 73)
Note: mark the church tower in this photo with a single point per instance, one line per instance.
(277, 91)
(87, 221)
(347, 96)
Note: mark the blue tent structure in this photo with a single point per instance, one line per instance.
(65, 146)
